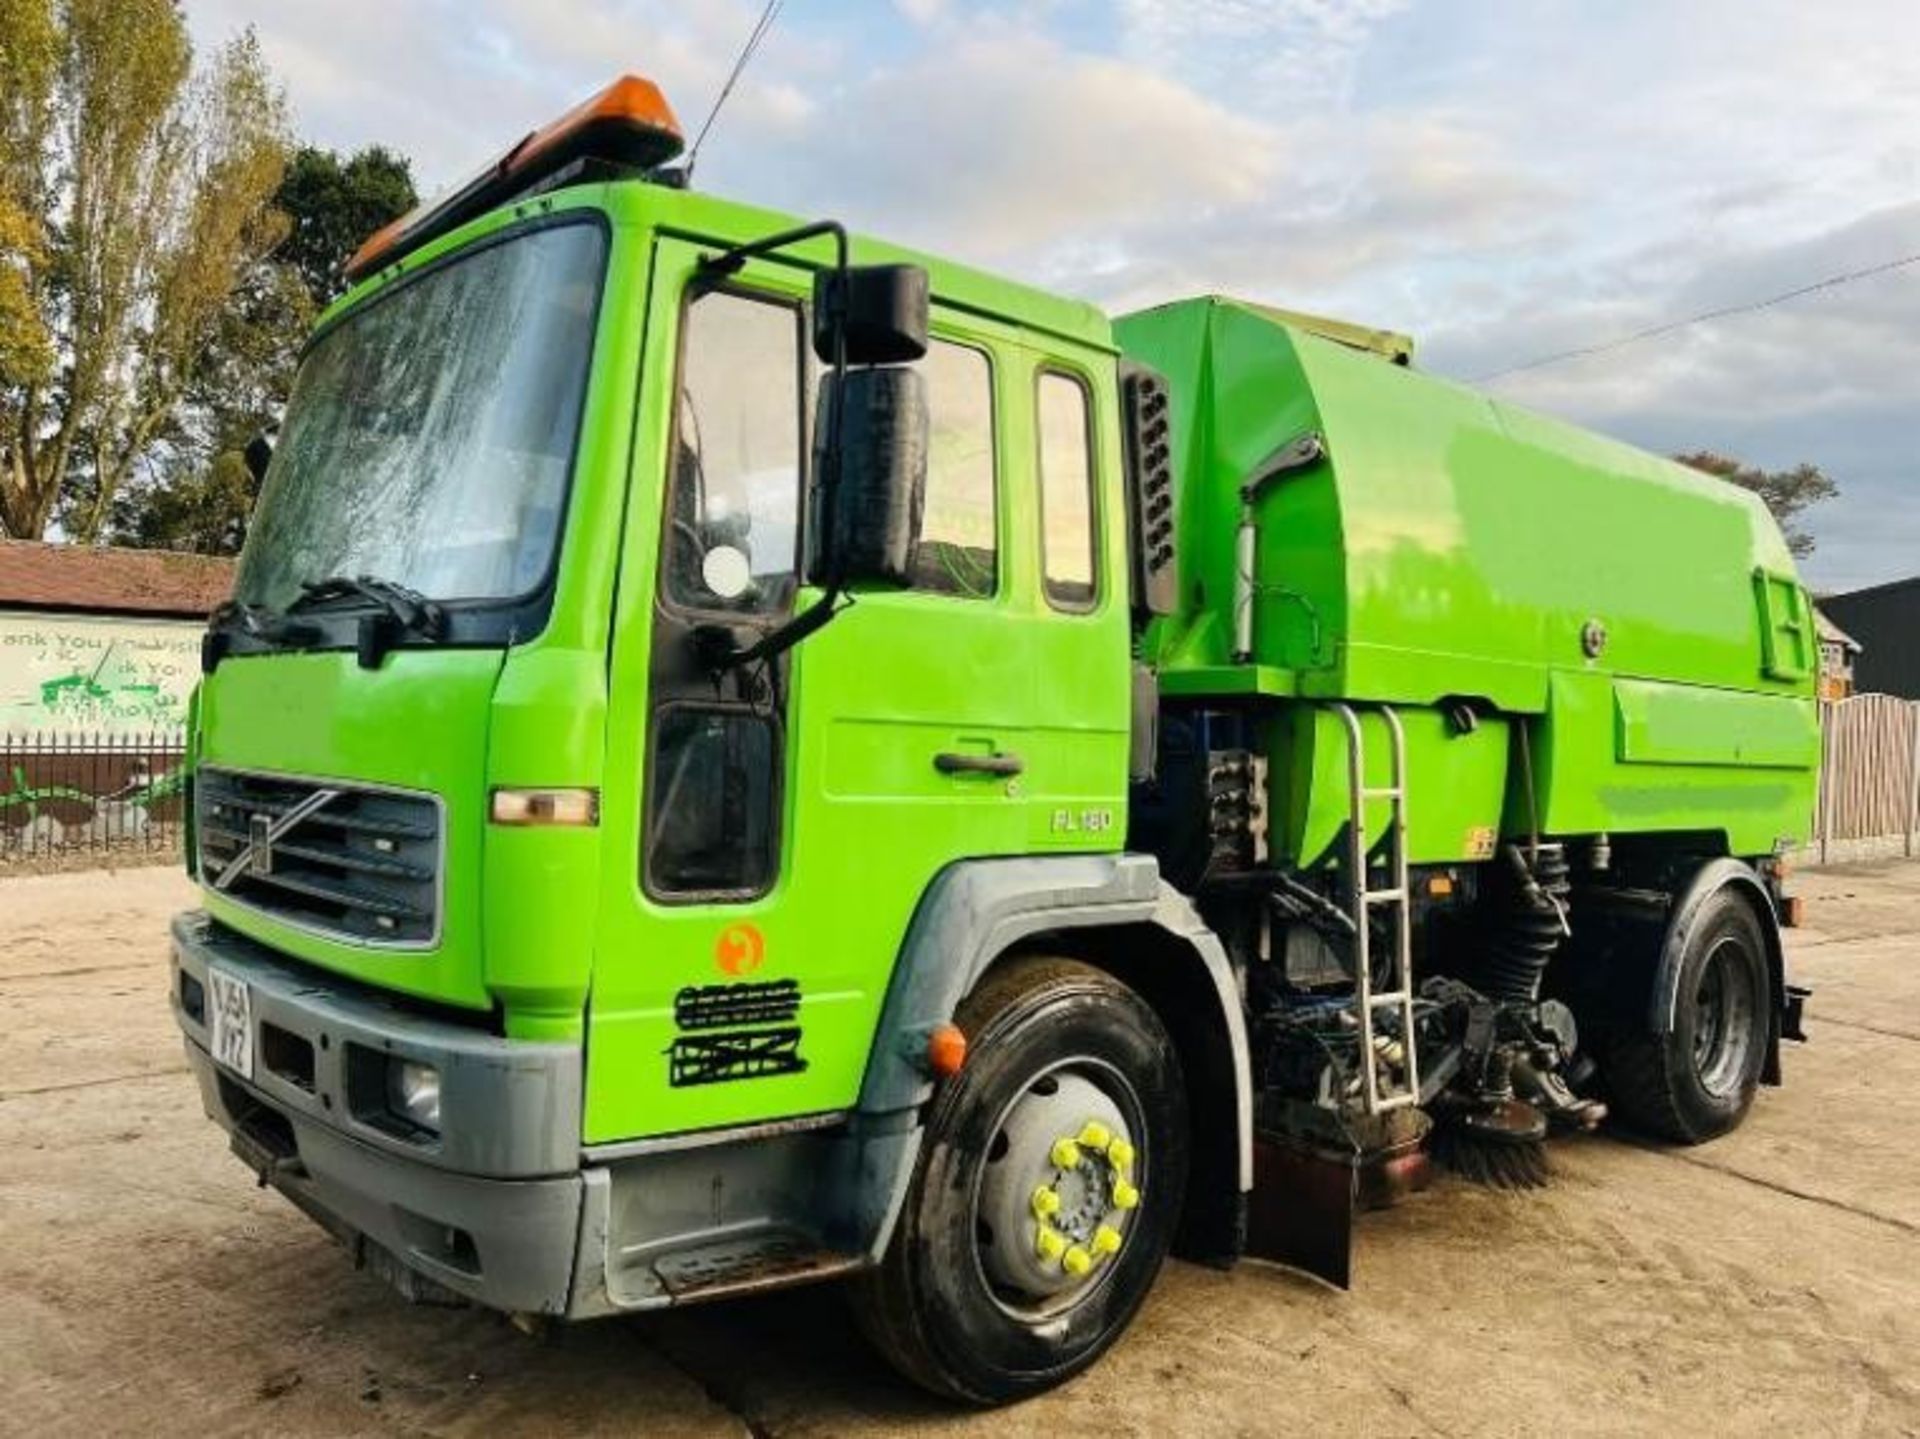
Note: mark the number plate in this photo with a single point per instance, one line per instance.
(231, 1021)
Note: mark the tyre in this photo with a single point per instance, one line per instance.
(1050, 1177)
(1698, 1080)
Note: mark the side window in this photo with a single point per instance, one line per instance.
(713, 819)
(959, 552)
(730, 543)
(733, 520)
(1068, 548)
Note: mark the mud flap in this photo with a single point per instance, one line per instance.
(1304, 1198)
(1306, 1194)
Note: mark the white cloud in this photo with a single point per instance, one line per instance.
(452, 83)
(1004, 145)
(1501, 181)
(1267, 54)
(1831, 378)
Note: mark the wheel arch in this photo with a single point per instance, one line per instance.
(1709, 880)
(1115, 913)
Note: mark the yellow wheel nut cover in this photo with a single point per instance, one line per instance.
(1076, 1261)
(1120, 1154)
(1106, 1240)
(1125, 1196)
(1046, 1202)
(1095, 1135)
(1049, 1244)
(1066, 1154)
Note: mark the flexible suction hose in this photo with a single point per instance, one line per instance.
(1530, 931)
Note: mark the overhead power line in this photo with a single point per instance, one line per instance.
(1832, 282)
(754, 37)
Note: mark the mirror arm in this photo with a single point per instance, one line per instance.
(717, 652)
(728, 262)
(715, 646)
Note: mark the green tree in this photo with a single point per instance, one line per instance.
(334, 202)
(1787, 493)
(197, 493)
(29, 58)
(135, 195)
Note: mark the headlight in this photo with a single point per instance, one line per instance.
(413, 1092)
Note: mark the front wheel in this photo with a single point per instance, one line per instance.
(1049, 1180)
(1697, 1080)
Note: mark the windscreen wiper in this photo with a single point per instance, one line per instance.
(258, 622)
(413, 611)
(402, 611)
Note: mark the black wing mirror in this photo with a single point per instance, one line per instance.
(868, 486)
(871, 432)
(867, 519)
(879, 312)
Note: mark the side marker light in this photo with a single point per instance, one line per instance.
(946, 1051)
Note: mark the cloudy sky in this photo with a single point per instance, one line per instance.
(1502, 180)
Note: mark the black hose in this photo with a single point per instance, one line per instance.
(1529, 930)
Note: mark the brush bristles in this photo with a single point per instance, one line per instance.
(1500, 1164)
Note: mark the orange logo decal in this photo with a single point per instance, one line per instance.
(739, 949)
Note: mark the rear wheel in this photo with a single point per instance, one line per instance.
(1697, 1081)
(1050, 1176)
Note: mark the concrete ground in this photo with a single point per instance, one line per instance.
(1766, 1283)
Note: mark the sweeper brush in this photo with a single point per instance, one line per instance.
(1503, 1146)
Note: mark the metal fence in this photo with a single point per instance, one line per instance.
(1869, 778)
(64, 794)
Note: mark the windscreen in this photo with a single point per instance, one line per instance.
(430, 436)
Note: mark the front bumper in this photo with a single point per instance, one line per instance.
(487, 1211)
(504, 1208)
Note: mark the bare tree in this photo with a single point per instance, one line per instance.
(1785, 492)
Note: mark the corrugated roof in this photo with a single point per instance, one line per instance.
(111, 581)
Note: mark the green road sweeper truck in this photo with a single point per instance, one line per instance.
(741, 755)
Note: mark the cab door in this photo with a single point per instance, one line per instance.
(768, 831)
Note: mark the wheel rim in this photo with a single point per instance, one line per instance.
(1057, 1193)
(1723, 1020)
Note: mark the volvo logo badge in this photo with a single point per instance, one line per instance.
(260, 843)
(256, 856)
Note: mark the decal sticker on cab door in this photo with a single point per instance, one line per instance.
(736, 1031)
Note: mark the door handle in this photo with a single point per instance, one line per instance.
(1003, 765)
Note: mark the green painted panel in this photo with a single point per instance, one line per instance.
(418, 723)
(1584, 788)
(1789, 645)
(1455, 788)
(1684, 724)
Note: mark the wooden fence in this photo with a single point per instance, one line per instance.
(1869, 779)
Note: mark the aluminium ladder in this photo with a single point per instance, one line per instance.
(1398, 994)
